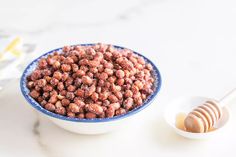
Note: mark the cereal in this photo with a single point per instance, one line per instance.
(93, 63)
(54, 81)
(120, 111)
(60, 110)
(80, 73)
(87, 80)
(53, 99)
(34, 94)
(112, 98)
(103, 76)
(90, 91)
(60, 86)
(139, 84)
(65, 67)
(56, 65)
(53, 92)
(65, 102)
(94, 96)
(64, 76)
(30, 84)
(70, 114)
(68, 60)
(71, 88)
(120, 82)
(118, 94)
(46, 72)
(43, 103)
(90, 82)
(90, 115)
(103, 96)
(36, 75)
(128, 93)
(95, 108)
(120, 73)
(80, 93)
(41, 82)
(57, 75)
(69, 81)
(47, 88)
(63, 92)
(70, 95)
(46, 95)
(106, 103)
(108, 71)
(81, 115)
(116, 106)
(74, 108)
(128, 103)
(58, 104)
(110, 112)
(50, 107)
(42, 63)
(79, 102)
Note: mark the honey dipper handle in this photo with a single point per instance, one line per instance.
(228, 98)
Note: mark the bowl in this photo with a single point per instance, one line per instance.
(187, 104)
(88, 126)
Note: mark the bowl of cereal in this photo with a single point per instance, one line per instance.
(90, 88)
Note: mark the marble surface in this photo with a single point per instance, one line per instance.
(192, 42)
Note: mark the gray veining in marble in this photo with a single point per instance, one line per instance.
(37, 134)
(192, 42)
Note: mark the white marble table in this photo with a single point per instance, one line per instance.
(192, 42)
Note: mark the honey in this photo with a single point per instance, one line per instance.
(179, 123)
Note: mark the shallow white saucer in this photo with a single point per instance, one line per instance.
(185, 105)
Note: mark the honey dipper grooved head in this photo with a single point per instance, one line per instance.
(193, 124)
(217, 106)
(206, 114)
(210, 112)
(213, 109)
(203, 118)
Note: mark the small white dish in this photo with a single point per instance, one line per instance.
(187, 104)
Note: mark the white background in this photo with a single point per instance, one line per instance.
(191, 41)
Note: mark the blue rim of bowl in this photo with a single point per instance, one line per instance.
(36, 105)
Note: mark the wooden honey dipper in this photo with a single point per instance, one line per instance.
(205, 116)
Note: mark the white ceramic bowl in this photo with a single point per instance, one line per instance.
(186, 105)
(88, 126)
